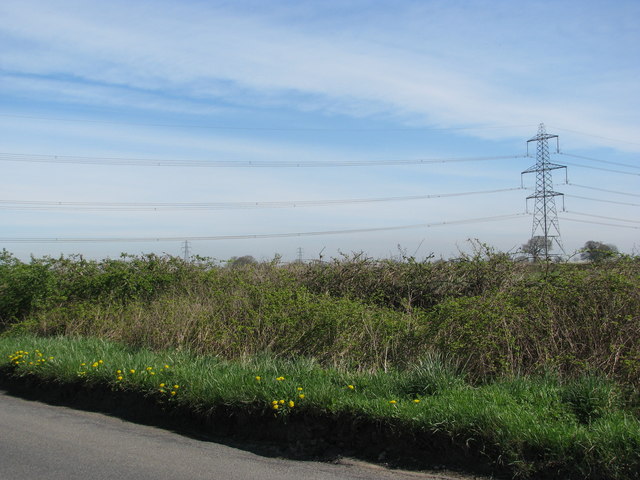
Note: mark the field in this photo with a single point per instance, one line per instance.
(482, 363)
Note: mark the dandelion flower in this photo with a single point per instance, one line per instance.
(392, 402)
(173, 392)
(281, 402)
(275, 402)
(299, 389)
(416, 400)
(176, 386)
(166, 366)
(301, 396)
(162, 385)
(100, 362)
(119, 377)
(258, 378)
(276, 406)
(291, 404)
(280, 379)
(118, 372)
(351, 387)
(132, 371)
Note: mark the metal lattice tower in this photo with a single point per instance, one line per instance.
(186, 251)
(546, 228)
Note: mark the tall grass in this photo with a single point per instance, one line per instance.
(538, 427)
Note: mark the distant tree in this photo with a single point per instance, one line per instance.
(598, 251)
(236, 262)
(535, 247)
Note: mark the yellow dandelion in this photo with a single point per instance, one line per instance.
(392, 402)
(82, 364)
(275, 402)
(118, 372)
(351, 387)
(132, 371)
(100, 362)
(291, 404)
(95, 364)
(162, 385)
(416, 400)
(301, 396)
(176, 386)
(281, 402)
(280, 379)
(148, 369)
(152, 373)
(166, 366)
(276, 406)
(173, 392)
(50, 358)
(258, 378)
(299, 389)
(161, 390)
(119, 377)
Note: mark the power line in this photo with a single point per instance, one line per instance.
(628, 204)
(595, 136)
(602, 169)
(599, 160)
(256, 236)
(604, 190)
(140, 206)
(564, 219)
(603, 217)
(147, 162)
(258, 128)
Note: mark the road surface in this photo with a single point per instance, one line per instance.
(50, 442)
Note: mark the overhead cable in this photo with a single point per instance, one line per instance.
(628, 204)
(140, 206)
(604, 190)
(599, 160)
(148, 162)
(254, 236)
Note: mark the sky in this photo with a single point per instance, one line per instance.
(313, 129)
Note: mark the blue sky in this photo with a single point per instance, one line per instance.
(334, 81)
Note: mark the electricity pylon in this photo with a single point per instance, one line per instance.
(546, 229)
(186, 251)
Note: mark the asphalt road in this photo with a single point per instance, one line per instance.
(41, 441)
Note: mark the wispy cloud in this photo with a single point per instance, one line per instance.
(450, 65)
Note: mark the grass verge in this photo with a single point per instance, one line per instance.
(425, 416)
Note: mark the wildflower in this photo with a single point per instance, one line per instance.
(258, 378)
(162, 385)
(299, 389)
(166, 366)
(119, 377)
(95, 364)
(173, 392)
(161, 390)
(100, 362)
(275, 402)
(276, 406)
(119, 372)
(148, 369)
(152, 373)
(351, 387)
(281, 402)
(416, 400)
(280, 379)
(50, 358)
(176, 386)
(291, 404)
(301, 396)
(82, 364)
(392, 402)
(132, 371)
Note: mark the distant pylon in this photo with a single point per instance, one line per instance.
(545, 216)
(186, 251)
(300, 254)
